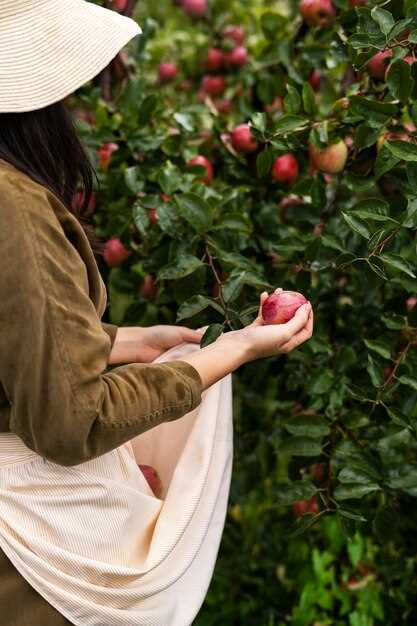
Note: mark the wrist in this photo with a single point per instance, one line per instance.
(236, 343)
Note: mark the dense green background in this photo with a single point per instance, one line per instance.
(348, 399)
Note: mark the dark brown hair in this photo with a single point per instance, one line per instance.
(44, 145)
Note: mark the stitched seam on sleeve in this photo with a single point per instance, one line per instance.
(37, 254)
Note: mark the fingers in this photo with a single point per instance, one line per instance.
(297, 323)
(301, 337)
(259, 320)
(191, 336)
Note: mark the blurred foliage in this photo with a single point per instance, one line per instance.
(334, 424)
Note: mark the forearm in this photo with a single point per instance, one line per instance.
(218, 359)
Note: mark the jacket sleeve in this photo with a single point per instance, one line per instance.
(54, 349)
(111, 330)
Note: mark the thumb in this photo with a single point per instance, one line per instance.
(259, 320)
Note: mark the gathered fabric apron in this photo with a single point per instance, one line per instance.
(97, 544)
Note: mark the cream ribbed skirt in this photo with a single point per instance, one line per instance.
(96, 543)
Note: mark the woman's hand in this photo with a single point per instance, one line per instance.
(134, 344)
(271, 340)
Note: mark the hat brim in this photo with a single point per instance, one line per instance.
(51, 49)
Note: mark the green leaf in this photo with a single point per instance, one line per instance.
(141, 218)
(301, 446)
(259, 121)
(289, 123)
(169, 178)
(356, 225)
(374, 372)
(403, 150)
(409, 382)
(307, 426)
(350, 515)
(398, 263)
(271, 24)
(292, 101)
(410, 219)
(351, 475)
(133, 179)
(183, 266)
(385, 161)
(400, 27)
(383, 18)
(196, 211)
(147, 109)
(192, 307)
(379, 347)
(374, 112)
(309, 99)
(287, 493)
(212, 333)
(322, 383)
(264, 163)
(354, 491)
(399, 80)
(233, 286)
(385, 523)
(185, 120)
(373, 205)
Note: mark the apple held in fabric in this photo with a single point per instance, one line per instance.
(152, 479)
(281, 307)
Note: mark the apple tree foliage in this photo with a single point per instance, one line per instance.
(333, 424)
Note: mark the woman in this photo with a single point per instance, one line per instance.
(82, 537)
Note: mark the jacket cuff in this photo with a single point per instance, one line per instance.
(111, 330)
(192, 380)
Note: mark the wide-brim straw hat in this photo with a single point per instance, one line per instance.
(50, 48)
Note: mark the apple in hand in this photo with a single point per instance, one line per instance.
(285, 169)
(331, 159)
(152, 479)
(280, 308)
(243, 140)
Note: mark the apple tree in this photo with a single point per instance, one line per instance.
(244, 145)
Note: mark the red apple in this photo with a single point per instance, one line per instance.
(167, 72)
(285, 169)
(235, 34)
(203, 162)
(411, 303)
(165, 198)
(213, 85)
(301, 507)
(224, 105)
(317, 12)
(152, 478)
(148, 289)
(105, 153)
(153, 216)
(115, 252)
(236, 57)
(315, 79)
(378, 64)
(120, 4)
(281, 307)
(195, 8)
(243, 140)
(410, 59)
(215, 59)
(330, 160)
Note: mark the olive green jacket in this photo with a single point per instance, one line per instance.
(57, 392)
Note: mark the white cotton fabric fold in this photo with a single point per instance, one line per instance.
(96, 543)
(50, 48)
